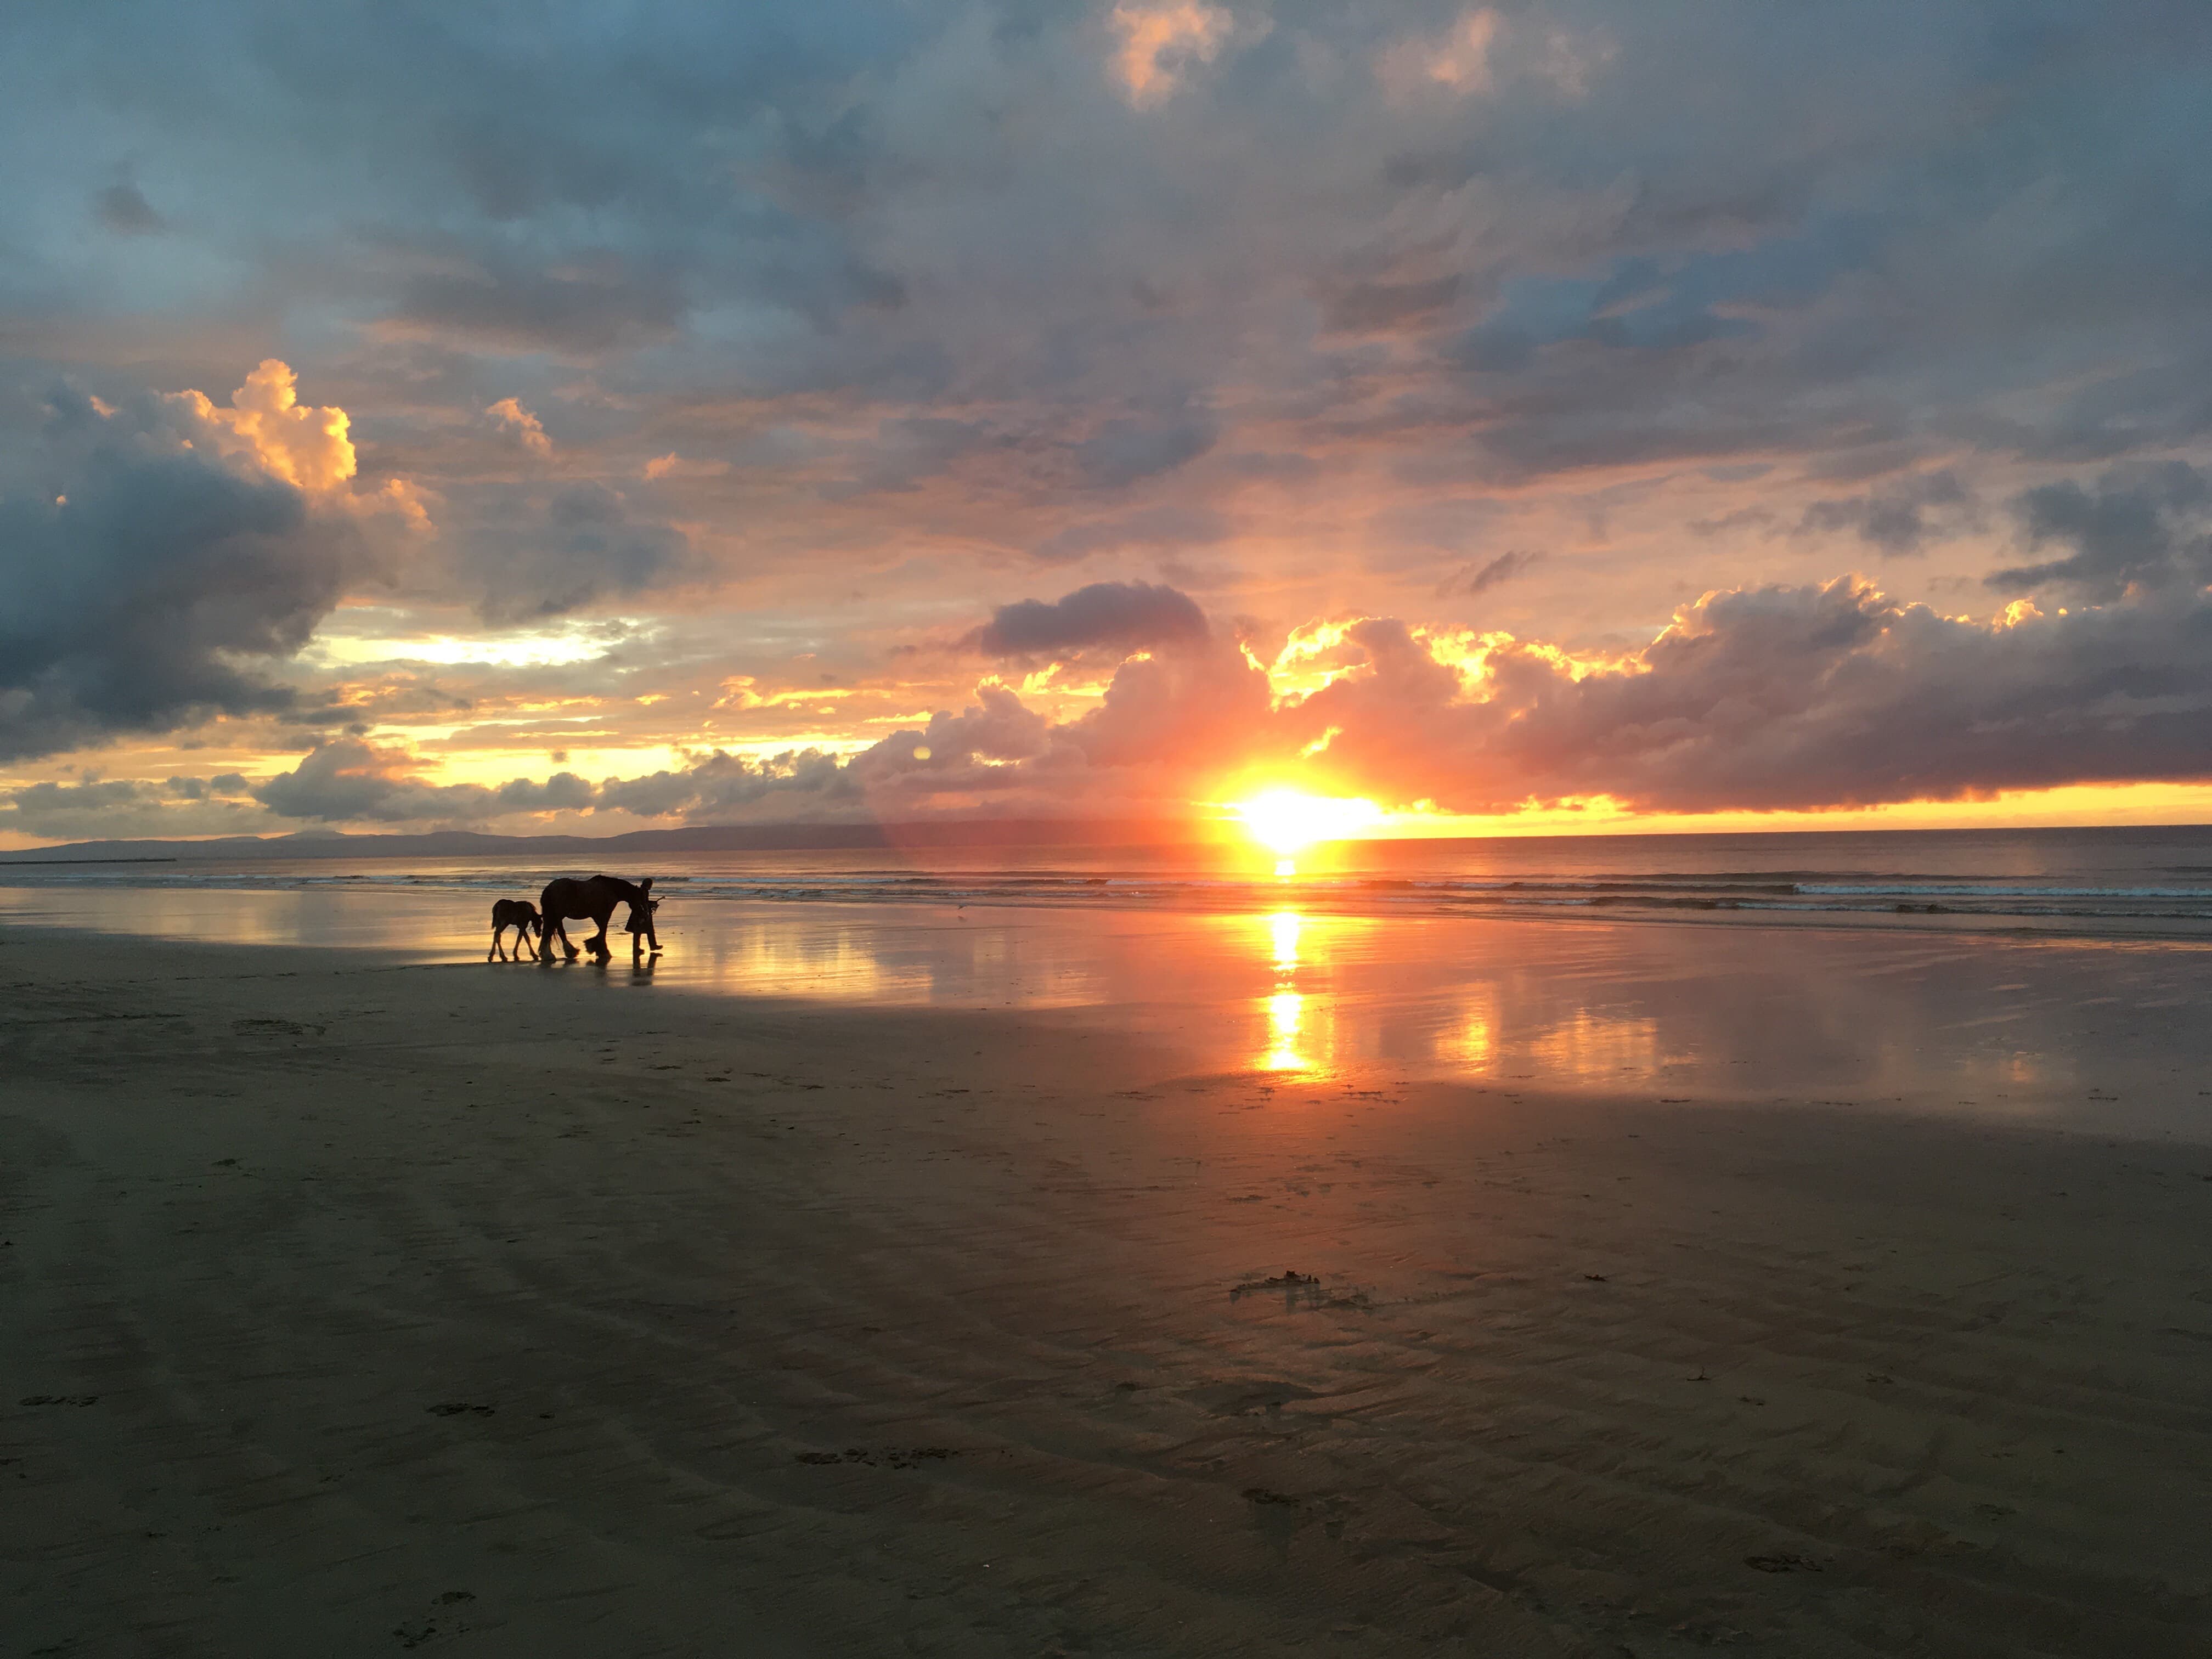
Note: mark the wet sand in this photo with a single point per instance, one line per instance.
(354, 1306)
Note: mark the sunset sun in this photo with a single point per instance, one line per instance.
(1288, 821)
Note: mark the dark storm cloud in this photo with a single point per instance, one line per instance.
(136, 573)
(2149, 527)
(1122, 616)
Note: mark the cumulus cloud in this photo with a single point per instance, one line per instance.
(149, 554)
(1121, 616)
(267, 427)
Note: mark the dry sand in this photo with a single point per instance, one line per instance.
(351, 1308)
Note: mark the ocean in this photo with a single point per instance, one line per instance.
(2123, 880)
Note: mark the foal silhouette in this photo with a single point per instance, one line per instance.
(567, 899)
(518, 913)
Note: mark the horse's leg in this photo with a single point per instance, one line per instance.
(493, 951)
(546, 929)
(567, 949)
(596, 944)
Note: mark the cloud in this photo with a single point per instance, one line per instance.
(923, 296)
(149, 553)
(1458, 59)
(533, 553)
(1162, 40)
(797, 787)
(120, 808)
(1123, 617)
(1123, 452)
(1491, 573)
(589, 304)
(268, 426)
(522, 427)
(1780, 697)
(348, 781)
(122, 207)
(1899, 518)
(2141, 528)
(1152, 528)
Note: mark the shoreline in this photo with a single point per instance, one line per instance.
(414, 1306)
(2190, 932)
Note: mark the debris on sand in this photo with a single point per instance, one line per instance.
(1289, 1280)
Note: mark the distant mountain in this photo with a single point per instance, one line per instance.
(703, 838)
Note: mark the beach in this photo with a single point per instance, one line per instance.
(357, 1303)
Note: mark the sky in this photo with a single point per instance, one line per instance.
(593, 417)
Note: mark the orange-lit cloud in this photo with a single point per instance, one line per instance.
(524, 427)
(1160, 39)
(268, 425)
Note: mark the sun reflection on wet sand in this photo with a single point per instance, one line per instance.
(1285, 1009)
(1286, 1005)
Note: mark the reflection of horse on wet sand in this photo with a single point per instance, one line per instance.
(567, 899)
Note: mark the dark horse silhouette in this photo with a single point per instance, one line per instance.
(566, 899)
(518, 913)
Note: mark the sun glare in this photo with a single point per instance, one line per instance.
(1288, 821)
